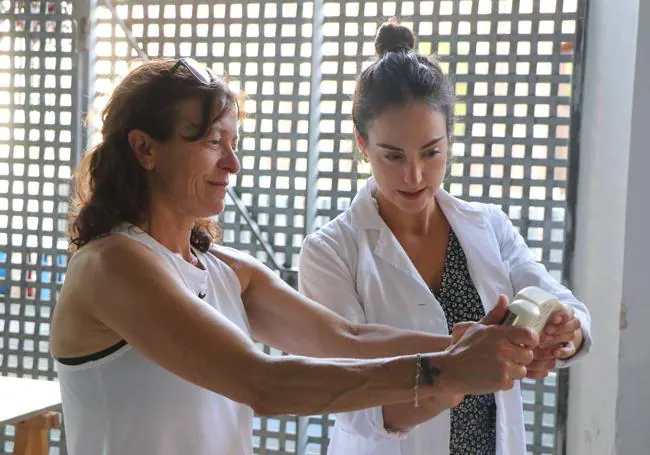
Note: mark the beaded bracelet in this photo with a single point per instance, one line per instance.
(418, 373)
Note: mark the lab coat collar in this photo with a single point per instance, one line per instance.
(365, 212)
(465, 219)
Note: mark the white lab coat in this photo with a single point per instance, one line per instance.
(355, 266)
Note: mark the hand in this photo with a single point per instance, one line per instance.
(562, 334)
(488, 357)
(543, 362)
(454, 399)
(459, 330)
(457, 333)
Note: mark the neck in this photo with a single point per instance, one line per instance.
(411, 224)
(170, 228)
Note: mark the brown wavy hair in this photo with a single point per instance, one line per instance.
(109, 183)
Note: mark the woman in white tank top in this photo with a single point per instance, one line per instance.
(153, 331)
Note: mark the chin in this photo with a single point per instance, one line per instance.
(412, 207)
(212, 211)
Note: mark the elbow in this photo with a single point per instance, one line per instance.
(354, 339)
(250, 384)
(261, 409)
(262, 402)
(277, 390)
(260, 393)
(264, 408)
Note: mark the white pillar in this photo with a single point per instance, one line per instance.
(633, 410)
(609, 402)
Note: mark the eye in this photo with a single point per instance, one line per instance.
(431, 153)
(393, 156)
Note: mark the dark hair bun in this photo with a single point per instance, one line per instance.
(393, 37)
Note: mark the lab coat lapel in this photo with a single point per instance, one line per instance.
(480, 246)
(365, 216)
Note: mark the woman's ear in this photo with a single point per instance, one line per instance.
(140, 143)
(360, 140)
(363, 149)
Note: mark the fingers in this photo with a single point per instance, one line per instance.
(566, 327)
(562, 333)
(541, 366)
(538, 374)
(516, 354)
(459, 330)
(561, 339)
(565, 351)
(498, 313)
(560, 317)
(520, 336)
(544, 353)
(515, 371)
(561, 327)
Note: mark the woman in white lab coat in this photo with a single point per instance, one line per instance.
(408, 254)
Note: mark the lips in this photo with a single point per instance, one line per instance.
(411, 194)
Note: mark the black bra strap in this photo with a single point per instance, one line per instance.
(92, 357)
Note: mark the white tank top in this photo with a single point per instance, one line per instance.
(125, 404)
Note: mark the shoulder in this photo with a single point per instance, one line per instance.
(243, 264)
(108, 260)
(449, 201)
(334, 246)
(494, 217)
(337, 232)
(113, 251)
(104, 266)
(336, 236)
(489, 212)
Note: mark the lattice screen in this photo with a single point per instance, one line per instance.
(37, 114)
(511, 62)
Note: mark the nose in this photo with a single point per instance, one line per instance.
(229, 161)
(413, 174)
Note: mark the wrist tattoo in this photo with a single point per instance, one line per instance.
(430, 373)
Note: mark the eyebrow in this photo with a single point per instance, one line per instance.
(214, 126)
(198, 125)
(236, 138)
(433, 141)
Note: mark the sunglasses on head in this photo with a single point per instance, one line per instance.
(200, 72)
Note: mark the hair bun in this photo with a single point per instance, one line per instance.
(393, 37)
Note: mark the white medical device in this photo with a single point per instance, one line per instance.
(532, 307)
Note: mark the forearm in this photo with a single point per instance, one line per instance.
(370, 341)
(374, 340)
(297, 385)
(404, 415)
(394, 342)
(313, 330)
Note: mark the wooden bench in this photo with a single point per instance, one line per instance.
(33, 407)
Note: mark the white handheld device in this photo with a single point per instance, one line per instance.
(532, 307)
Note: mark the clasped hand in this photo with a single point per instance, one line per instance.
(492, 356)
(561, 339)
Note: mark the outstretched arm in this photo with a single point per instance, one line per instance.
(126, 288)
(311, 329)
